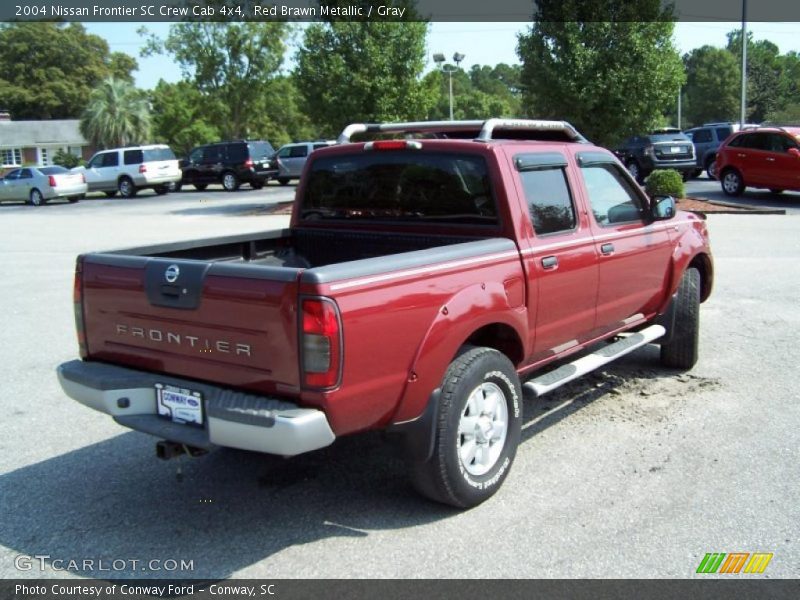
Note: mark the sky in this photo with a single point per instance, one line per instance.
(482, 43)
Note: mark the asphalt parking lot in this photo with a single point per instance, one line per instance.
(635, 471)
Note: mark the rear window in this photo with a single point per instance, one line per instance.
(154, 154)
(401, 186)
(260, 150)
(54, 170)
(670, 137)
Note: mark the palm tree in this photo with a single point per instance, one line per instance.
(117, 115)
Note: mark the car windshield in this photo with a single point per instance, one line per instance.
(54, 170)
(154, 154)
(400, 186)
(260, 150)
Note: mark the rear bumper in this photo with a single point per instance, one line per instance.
(232, 419)
(67, 191)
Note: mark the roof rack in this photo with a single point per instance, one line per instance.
(483, 130)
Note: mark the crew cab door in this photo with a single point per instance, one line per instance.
(633, 253)
(560, 260)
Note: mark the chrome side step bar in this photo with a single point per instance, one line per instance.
(566, 373)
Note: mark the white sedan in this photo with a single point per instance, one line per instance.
(37, 185)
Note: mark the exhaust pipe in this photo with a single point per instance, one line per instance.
(165, 450)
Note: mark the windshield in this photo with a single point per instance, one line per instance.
(153, 154)
(400, 186)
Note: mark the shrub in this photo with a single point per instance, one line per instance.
(66, 159)
(664, 182)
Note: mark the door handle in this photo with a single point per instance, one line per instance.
(549, 262)
(607, 249)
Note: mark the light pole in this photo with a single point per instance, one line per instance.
(449, 69)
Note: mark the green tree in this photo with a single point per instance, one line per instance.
(66, 159)
(48, 70)
(117, 115)
(609, 79)
(712, 85)
(764, 74)
(180, 117)
(481, 93)
(363, 71)
(231, 64)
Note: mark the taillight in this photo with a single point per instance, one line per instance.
(321, 343)
(52, 181)
(142, 168)
(83, 178)
(393, 145)
(77, 304)
(248, 163)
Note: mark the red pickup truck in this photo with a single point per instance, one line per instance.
(426, 274)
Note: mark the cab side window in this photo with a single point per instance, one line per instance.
(110, 159)
(611, 195)
(549, 201)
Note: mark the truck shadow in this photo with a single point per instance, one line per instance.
(114, 500)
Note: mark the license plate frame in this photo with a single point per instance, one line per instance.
(180, 405)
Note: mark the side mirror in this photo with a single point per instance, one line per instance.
(662, 208)
(794, 152)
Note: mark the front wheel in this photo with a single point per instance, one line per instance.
(200, 186)
(126, 188)
(230, 182)
(776, 191)
(283, 180)
(477, 431)
(681, 351)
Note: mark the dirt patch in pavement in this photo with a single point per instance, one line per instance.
(703, 207)
(281, 208)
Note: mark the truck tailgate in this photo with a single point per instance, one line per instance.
(223, 322)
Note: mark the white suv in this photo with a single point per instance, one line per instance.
(127, 170)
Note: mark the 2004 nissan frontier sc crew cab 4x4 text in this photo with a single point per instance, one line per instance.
(425, 275)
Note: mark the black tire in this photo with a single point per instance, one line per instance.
(695, 174)
(176, 187)
(126, 187)
(776, 191)
(687, 175)
(35, 197)
(200, 186)
(732, 182)
(74, 199)
(451, 476)
(230, 182)
(256, 185)
(681, 351)
(161, 189)
(711, 169)
(283, 180)
(111, 193)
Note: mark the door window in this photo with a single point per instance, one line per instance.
(298, 151)
(196, 156)
(611, 195)
(25, 174)
(550, 204)
(13, 175)
(109, 159)
(701, 136)
(132, 157)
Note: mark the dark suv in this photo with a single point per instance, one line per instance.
(666, 148)
(766, 157)
(229, 163)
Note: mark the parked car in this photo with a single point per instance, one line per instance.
(37, 185)
(229, 163)
(666, 148)
(130, 169)
(763, 157)
(707, 139)
(291, 158)
(420, 285)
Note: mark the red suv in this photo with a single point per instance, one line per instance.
(765, 157)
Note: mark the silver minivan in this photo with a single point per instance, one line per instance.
(290, 159)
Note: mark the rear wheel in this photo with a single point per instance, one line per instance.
(230, 182)
(161, 189)
(74, 199)
(711, 170)
(283, 180)
(200, 186)
(111, 193)
(732, 182)
(126, 187)
(477, 431)
(36, 197)
(256, 185)
(681, 351)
